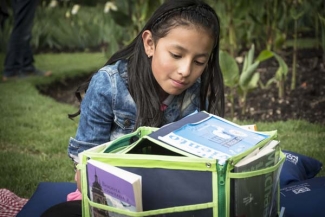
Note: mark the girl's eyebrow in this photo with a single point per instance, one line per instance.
(185, 50)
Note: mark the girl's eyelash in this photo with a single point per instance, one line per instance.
(179, 56)
(199, 63)
(175, 55)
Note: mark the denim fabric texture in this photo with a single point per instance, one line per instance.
(108, 111)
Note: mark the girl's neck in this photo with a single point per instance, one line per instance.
(165, 103)
(168, 100)
(163, 95)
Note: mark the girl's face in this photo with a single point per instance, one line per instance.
(179, 58)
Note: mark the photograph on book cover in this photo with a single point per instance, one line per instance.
(110, 190)
(213, 138)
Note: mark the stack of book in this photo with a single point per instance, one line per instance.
(207, 136)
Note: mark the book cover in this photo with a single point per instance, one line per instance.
(212, 137)
(113, 186)
(255, 196)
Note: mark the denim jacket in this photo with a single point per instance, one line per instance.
(108, 111)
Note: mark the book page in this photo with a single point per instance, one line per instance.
(258, 153)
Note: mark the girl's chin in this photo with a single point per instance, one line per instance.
(174, 92)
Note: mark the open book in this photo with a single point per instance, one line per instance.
(254, 196)
(113, 186)
(210, 136)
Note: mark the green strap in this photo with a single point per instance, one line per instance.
(257, 172)
(153, 212)
(124, 141)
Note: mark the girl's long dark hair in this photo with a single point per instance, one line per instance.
(142, 84)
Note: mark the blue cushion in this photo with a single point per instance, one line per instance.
(298, 167)
(304, 199)
(46, 195)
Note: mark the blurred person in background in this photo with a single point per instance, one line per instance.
(3, 13)
(19, 61)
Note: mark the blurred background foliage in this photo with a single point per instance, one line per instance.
(68, 26)
(276, 29)
(77, 25)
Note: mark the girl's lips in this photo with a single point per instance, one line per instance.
(178, 84)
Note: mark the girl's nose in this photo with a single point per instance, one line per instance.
(185, 68)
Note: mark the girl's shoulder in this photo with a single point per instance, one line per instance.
(119, 67)
(116, 71)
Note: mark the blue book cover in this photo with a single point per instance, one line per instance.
(213, 137)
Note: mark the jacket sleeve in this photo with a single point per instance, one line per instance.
(96, 115)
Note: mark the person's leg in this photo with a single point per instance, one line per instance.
(3, 14)
(28, 59)
(19, 42)
(65, 209)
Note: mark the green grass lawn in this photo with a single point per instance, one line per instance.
(34, 129)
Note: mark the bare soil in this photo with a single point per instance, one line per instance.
(306, 101)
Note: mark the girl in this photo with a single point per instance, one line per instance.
(170, 70)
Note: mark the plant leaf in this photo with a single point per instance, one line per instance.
(229, 68)
(247, 75)
(253, 83)
(264, 55)
(250, 57)
(283, 67)
(295, 14)
(121, 18)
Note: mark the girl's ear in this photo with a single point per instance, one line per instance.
(148, 43)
